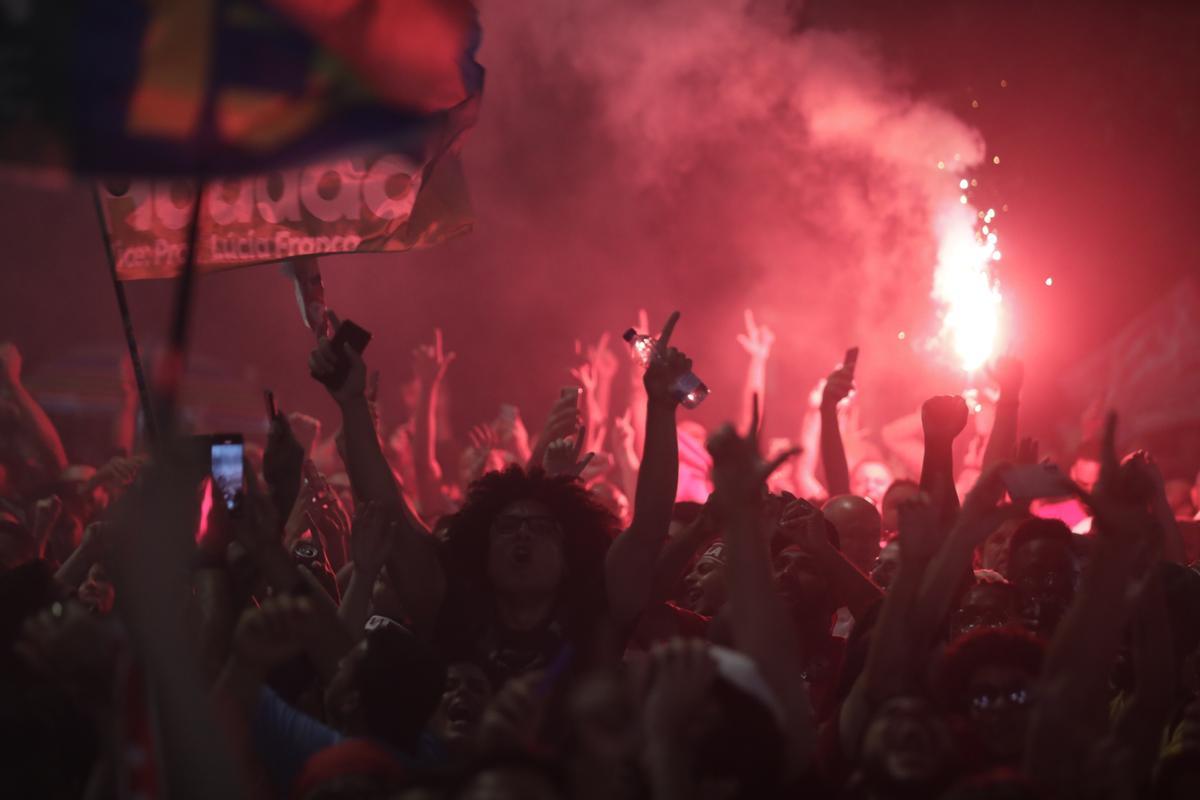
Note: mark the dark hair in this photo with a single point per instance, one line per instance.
(1035, 528)
(400, 681)
(588, 530)
(1008, 646)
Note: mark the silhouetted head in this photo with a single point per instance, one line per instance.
(858, 525)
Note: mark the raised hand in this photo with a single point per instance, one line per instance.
(563, 421)
(10, 365)
(372, 537)
(1009, 374)
(837, 388)
(306, 429)
(1119, 503)
(603, 360)
(272, 633)
(323, 365)
(739, 472)
(563, 456)
(943, 417)
(119, 472)
(804, 524)
(283, 460)
(483, 438)
(757, 340)
(664, 370)
(430, 361)
(45, 515)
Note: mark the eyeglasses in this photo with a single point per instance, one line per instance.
(508, 525)
(989, 698)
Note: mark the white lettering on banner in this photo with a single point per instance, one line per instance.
(170, 214)
(345, 203)
(330, 192)
(346, 190)
(375, 192)
(230, 202)
(287, 207)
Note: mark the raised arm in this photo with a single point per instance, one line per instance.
(757, 342)
(807, 484)
(952, 563)
(942, 419)
(1009, 374)
(895, 653)
(630, 565)
(760, 622)
(838, 385)
(414, 564)
(36, 428)
(371, 542)
(595, 376)
(1070, 716)
(370, 475)
(430, 363)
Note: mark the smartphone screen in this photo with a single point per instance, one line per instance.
(227, 459)
(851, 360)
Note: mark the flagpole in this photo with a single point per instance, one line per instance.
(135, 359)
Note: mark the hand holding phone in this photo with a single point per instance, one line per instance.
(351, 334)
(850, 361)
(227, 453)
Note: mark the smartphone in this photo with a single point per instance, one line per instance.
(851, 361)
(272, 409)
(226, 457)
(1036, 481)
(570, 391)
(347, 334)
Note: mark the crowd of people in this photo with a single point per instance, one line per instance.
(617, 606)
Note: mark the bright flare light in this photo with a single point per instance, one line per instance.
(964, 288)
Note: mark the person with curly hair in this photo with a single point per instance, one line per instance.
(524, 564)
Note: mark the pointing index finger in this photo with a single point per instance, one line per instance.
(664, 338)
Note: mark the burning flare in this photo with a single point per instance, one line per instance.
(963, 284)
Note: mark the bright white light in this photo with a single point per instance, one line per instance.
(963, 287)
(1049, 281)
(964, 183)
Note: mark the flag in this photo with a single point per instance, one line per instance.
(379, 200)
(222, 87)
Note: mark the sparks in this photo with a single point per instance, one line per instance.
(964, 287)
